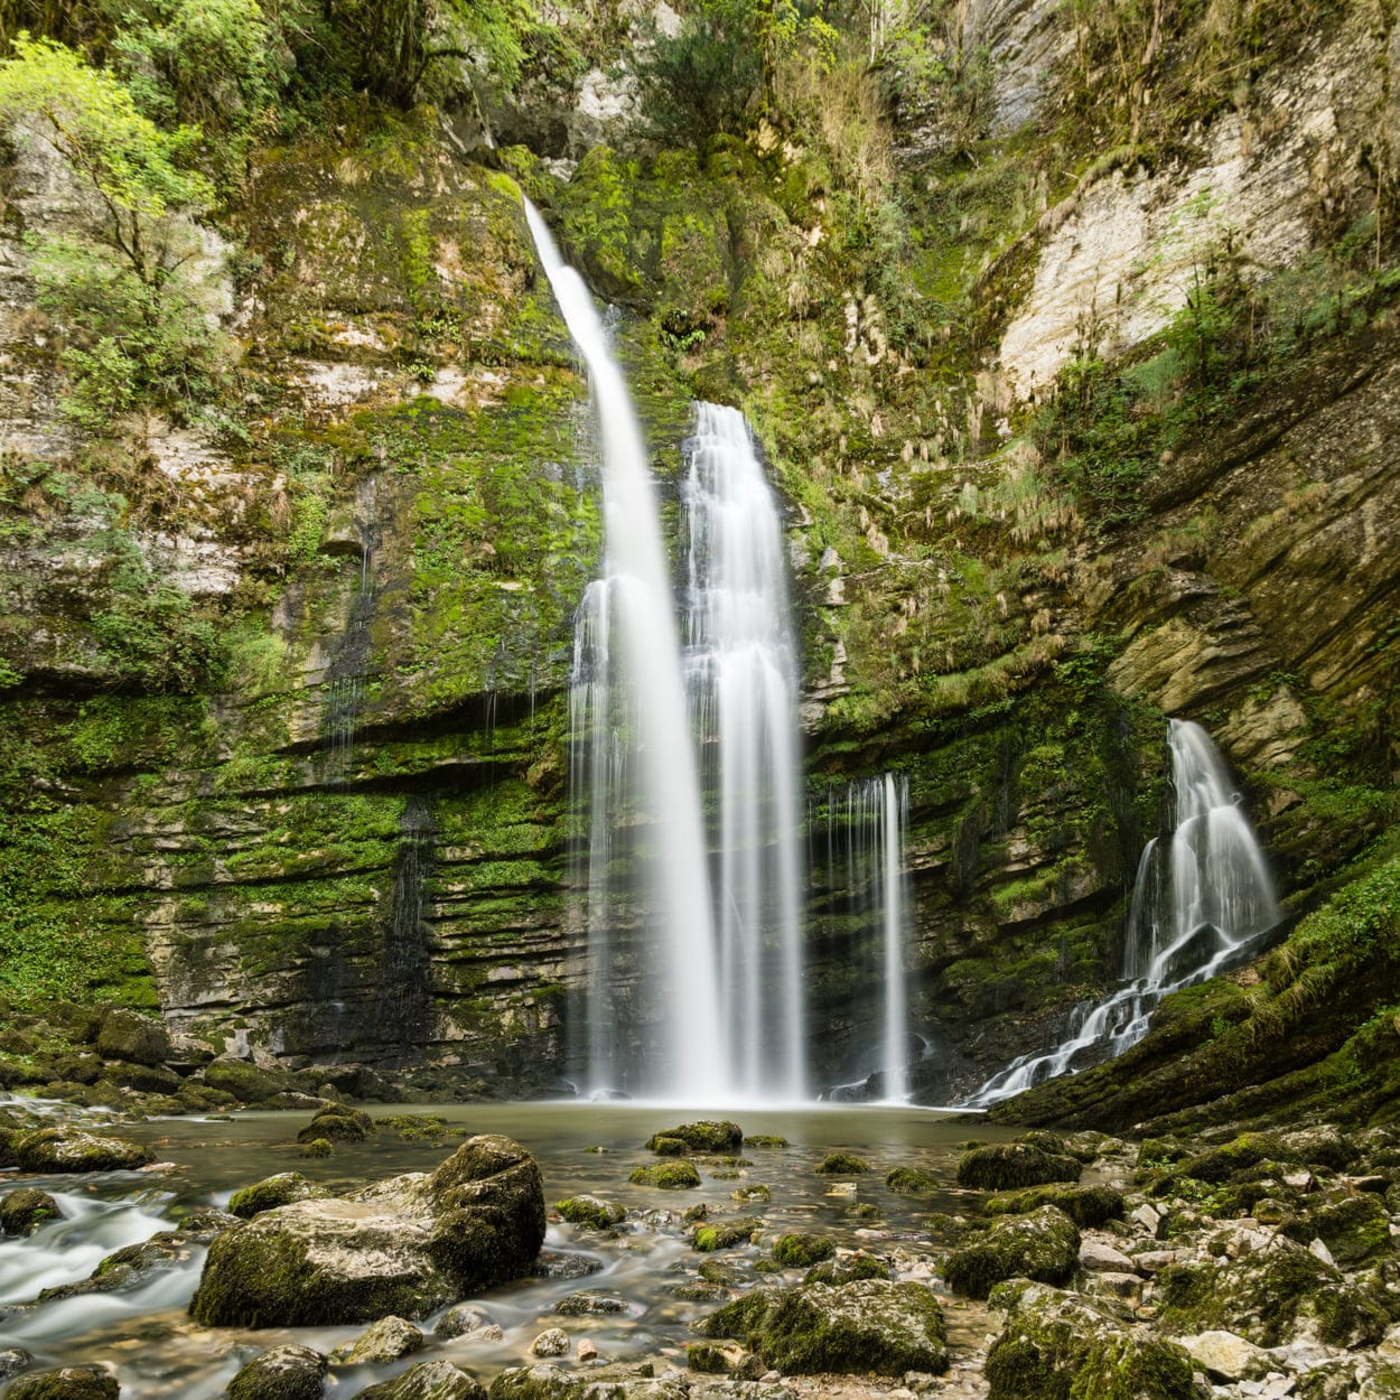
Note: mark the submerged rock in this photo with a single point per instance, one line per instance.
(405, 1246)
(68, 1150)
(1012, 1165)
(1043, 1246)
(337, 1123)
(553, 1341)
(1057, 1344)
(909, 1181)
(725, 1234)
(848, 1270)
(588, 1303)
(274, 1191)
(24, 1210)
(284, 1373)
(842, 1164)
(462, 1321)
(428, 1380)
(706, 1135)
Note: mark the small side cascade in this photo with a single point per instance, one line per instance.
(1203, 900)
(875, 812)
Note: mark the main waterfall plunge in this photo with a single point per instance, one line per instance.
(660, 720)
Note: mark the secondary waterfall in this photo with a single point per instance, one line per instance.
(741, 676)
(663, 722)
(875, 812)
(1202, 897)
(633, 602)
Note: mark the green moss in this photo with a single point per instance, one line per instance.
(704, 1136)
(1012, 1165)
(725, 1234)
(591, 1211)
(797, 1251)
(1042, 1245)
(275, 1191)
(1090, 1207)
(842, 1164)
(669, 1176)
(909, 1181)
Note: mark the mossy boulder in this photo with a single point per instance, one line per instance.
(428, 1380)
(842, 1164)
(674, 1175)
(283, 1373)
(1354, 1226)
(1042, 1246)
(132, 1266)
(68, 1383)
(591, 1211)
(667, 1146)
(337, 1123)
(1055, 1346)
(68, 1150)
(870, 1325)
(765, 1140)
(707, 1135)
(406, 1246)
(247, 1082)
(24, 1210)
(1323, 1145)
(274, 1191)
(1088, 1206)
(725, 1234)
(1228, 1162)
(798, 1251)
(909, 1181)
(1011, 1166)
(128, 1035)
(850, 1269)
(1272, 1297)
(316, 1147)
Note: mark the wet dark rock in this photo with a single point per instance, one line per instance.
(1042, 1246)
(428, 1380)
(406, 1246)
(909, 1181)
(69, 1150)
(462, 1321)
(68, 1383)
(274, 1191)
(129, 1267)
(706, 1135)
(247, 1082)
(283, 1373)
(591, 1211)
(128, 1035)
(145, 1079)
(203, 1224)
(765, 1140)
(725, 1234)
(24, 1210)
(566, 1264)
(1013, 1165)
(849, 1269)
(13, 1360)
(1059, 1344)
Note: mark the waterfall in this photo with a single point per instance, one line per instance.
(741, 677)
(876, 813)
(635, 598)
(1202, 899)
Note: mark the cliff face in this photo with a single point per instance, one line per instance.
(284, 706)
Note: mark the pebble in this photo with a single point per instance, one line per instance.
(586, 1350)
(1148, 1218)
(552, 1342)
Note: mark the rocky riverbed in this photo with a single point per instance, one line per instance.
(620, 1252)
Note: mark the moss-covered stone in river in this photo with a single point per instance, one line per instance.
(1090, 1207)
(592, 1211)
(1042, 1245)
(1014, 1164)
(274, 1191)
(669, 1176)
(704, 1136)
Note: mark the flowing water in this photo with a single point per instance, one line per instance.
(1202, 898)
(874, 814)
(160, 1354)
(741, 677)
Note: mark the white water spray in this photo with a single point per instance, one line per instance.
(1201, 896)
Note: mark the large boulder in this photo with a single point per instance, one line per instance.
(870, 1325)
(128, 1035)
(704, 1136)
(247, 1082)
(1043, 1246)
(1058, 1344)
(68, 1150)
(405, 1246)
(24, 1210)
